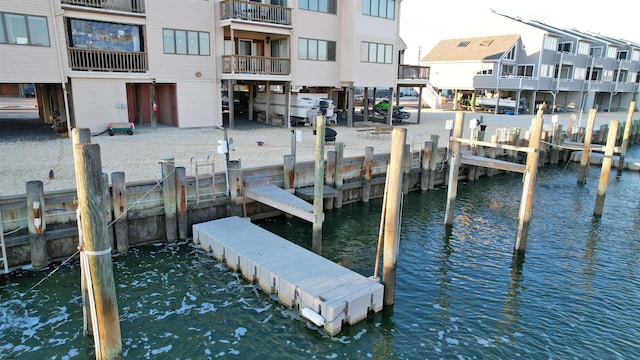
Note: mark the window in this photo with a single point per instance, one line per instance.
(376, 53)
(583, 48)
(510, 55)
(463, 43)
(312, 49)
(635, 56)
(546, 71)
(623, 55)
(184, 42)
(18, 29)
(485, 42)
(596, 51)
(564, 47)
(98, 35)
(487, 69)
(380, 8)
(611, 52)
(508, 70)
(525, 71)
(564, 73)
(323, 6)
(580, 74)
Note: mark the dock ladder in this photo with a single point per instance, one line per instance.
(206, 182)
(5, 263)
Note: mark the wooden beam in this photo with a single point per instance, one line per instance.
(493, 145)
(475, 160)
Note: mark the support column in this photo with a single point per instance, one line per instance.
(606, 167)
(366, 173)
(181, 201)
(121, 225)
(169, 198)
(454, 169)
(337, 201)
(318, 187)
(37, 224)
(586, 150)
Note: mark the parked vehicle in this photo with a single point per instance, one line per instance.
(29, 90)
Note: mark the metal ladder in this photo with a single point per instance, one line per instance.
(416, 151)
(204, 191)
(5, 262)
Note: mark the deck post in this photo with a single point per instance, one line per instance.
(181, 201)
(454, 169)
(318, 187)
(529, 180)
(586, 151)
(96, 251)
(366, 173)
(169, 197)
(606, 167)
(37, 224)
(337, 202)
(121, 225)
(393, 213)
(625, 137)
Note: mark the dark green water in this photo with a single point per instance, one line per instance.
(575, 294)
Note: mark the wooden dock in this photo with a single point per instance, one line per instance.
(324, 292)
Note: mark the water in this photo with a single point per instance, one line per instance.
(460, 294)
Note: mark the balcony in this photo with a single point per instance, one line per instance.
(260, 65)
(413, 72)
(111, 61)
(253, 11)
(134, 6)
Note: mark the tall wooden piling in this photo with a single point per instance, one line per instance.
(433, 162)
(586, 150)
(120, 225)
(454, 169)
(169, 198)
(37, 224)
(393, 213)
(529, 180)
(96, 251)
(318, 187)
(606, 167)
(406, 168)
(366, 173)
(181, 202)
(625, 136)
(339, 176)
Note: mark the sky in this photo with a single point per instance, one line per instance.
(424, 23)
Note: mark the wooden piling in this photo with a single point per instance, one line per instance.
(586, 150)
(289, 172)
(366, 173)
(393, 214)
(318, 187)
(108, 209)
(425, 165)
(406, 168)
(529, 180)
(454, 169)
(96, 251)
(121, 224)
(606, 167)
(181, 202)
(339, 176)
(625, 137)
(37, 224)
(433, 162)
(169, 198)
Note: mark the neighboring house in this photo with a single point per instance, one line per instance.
(532, 62)
(169, 61)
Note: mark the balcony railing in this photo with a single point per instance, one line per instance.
(260, 65)
(253, 11)
(113, 61)
(135, 6)
(413, 72)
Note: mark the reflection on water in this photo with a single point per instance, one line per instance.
(461, 292)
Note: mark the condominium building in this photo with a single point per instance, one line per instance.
(174, 62)
(525, 62)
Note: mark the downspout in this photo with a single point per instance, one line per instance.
(65, 94)
(495, 110)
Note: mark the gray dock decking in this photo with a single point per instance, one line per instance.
(300, 277)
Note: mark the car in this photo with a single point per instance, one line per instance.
(29, 90)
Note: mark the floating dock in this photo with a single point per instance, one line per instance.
(324, 292)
